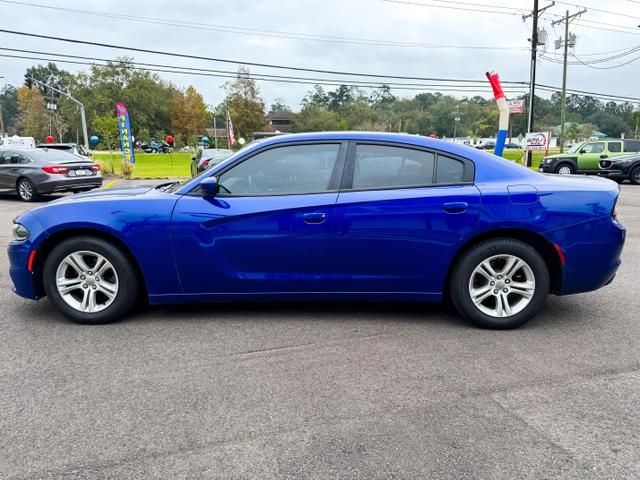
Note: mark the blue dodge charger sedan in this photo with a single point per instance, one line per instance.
(328, 216)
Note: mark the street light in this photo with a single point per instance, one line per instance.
(1, 120)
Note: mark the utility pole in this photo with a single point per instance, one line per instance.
(568, 42)
(83, 118)
(1, 120)
(537, 11)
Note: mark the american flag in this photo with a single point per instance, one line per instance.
(230, 134)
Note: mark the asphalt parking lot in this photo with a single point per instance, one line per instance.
(324, 390)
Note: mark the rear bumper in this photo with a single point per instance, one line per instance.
(592, 252)
(65, 184)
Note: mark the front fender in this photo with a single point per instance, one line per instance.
(141, 225)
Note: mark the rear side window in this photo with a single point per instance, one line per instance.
(615, 147)
(380, 166)
(450, 170)
(632, 146)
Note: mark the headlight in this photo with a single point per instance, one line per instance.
(547, 160)
(20, 232)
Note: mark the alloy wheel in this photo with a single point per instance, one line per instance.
(564, 170)
(87, 281)
(25, 189)
(502, 286)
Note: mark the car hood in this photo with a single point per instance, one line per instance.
(107, 194)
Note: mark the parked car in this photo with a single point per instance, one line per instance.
(584, 157)
(207, 158)
(622, 168)
(34, 171)
(512, 145)
(73, 148)
(328, 216)
(486, 146)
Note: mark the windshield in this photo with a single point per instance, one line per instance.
(575, 148)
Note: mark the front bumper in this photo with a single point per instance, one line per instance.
(617, 174)
(545, 167)
(24, 281)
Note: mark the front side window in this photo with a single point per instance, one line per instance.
(593, 147)
(289, 170)
(380, 166)
(615, 147)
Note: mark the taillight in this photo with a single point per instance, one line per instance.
(205, 163)
(95, 167)
(56, 169)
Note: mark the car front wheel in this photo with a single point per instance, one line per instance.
(564, 169)
(90, 280)
(635, 176)
(500, 284)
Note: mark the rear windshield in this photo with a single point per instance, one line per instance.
(53, 156)
(57, 147)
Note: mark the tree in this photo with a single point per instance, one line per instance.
(106, 127)
(608, 123)
(51, 75)
(313, 118)
(244, 104)
(279, 106)
(32, 111)
(188, 114)
(9, 105)
(573, 132)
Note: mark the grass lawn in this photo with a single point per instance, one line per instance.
(179, 164)
(148, 164)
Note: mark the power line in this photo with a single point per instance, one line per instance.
(181, 71)
(221, 60)
(610, 12)
(257, 31)
(466, 88)
(501, 10)
(231, 74)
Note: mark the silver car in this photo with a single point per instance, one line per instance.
(29, 172)
(207, 158)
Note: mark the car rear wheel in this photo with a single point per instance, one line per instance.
(90, 280)
(635, 176)
(26, 190)
(564, 169)
(500, 284)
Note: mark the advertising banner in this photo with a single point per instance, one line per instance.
(126, 137)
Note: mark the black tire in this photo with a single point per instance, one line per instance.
(462, 276)
(565, 165)
(126, 295)
(634, 176)
(26, 190)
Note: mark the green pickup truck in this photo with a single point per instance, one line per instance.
(584, 157)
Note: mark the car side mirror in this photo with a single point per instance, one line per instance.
(209, 186)
(583, 151)
(193, 159)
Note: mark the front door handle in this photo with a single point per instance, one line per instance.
(604, 156)
(315, 217)
(455, 207)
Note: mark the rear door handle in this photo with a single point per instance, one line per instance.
(455, 207)
(315, 217)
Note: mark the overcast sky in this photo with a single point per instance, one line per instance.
(357, 19)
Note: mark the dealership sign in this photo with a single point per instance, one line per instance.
(516, 106)
(537, 141)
